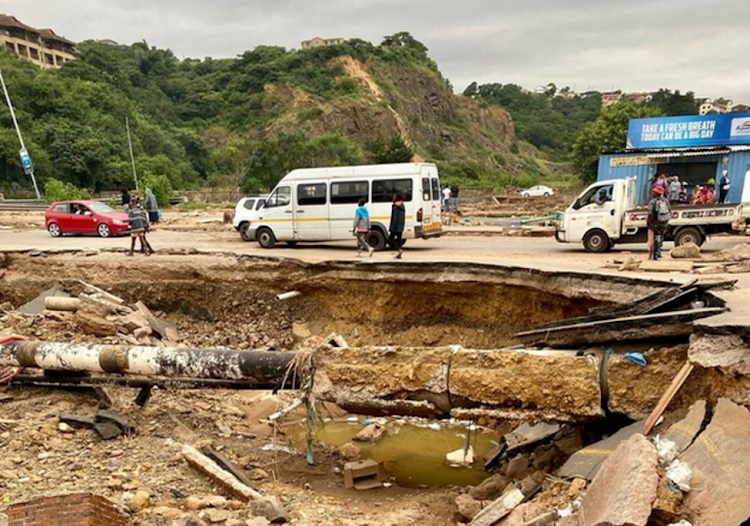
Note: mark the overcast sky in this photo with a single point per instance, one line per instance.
(634, 45)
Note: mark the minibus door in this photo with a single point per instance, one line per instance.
(312, 221)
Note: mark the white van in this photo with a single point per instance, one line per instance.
(245, 212)
(318, 204)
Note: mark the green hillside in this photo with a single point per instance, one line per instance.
(249, 119)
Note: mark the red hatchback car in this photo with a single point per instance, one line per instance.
(85, 217)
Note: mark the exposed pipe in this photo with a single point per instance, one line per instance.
(257, 367)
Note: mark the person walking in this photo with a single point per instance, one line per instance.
(398, 222)
(659, 214)
(125, 198)
(138, 220)
(362, 227)
(446, 199)
(454, 196)
(724, 185)
(152, 207)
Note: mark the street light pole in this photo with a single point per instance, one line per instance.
(132, 158)
(20, 137)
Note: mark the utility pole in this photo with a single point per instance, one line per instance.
(130, 145)
(25, 158)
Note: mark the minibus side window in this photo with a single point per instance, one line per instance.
(349, 192)
(435, 190)
(425, 188)
(311, 194)
(383, 190)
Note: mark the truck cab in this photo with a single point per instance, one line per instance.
(595, 216)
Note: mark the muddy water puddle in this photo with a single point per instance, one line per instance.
(414, 455)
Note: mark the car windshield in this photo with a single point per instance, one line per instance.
(101, 208)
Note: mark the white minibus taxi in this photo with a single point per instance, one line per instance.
(318, 204)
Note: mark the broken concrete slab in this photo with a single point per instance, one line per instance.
(641, 327)
(721, 480)
(729, 352)
(36, 306)
(121, 421)
(108, 430)
(517, 384)
(498, 508)
(529, 434)
(666, 265)
(624, 489)
(77, 421)
(683, 433)
(586, 462)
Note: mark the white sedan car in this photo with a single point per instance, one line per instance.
(538, 191)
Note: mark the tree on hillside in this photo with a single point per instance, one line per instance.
(385, 150)
(670, 103)
(607, 133)
(403, 39)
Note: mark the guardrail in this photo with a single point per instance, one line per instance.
(30, 205)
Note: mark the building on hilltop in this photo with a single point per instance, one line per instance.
(640, 97)
(320, 42)
(610, 98)
(43, 47)
(720, 105)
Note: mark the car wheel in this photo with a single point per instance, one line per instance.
(265, 238)
(525, 195)
(54, 230)
(546, 194)
(596, 241)
(103, 230)
(244, 227)
(376, 239)
(688, 235)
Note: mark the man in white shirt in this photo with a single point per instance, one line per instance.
(446, 198)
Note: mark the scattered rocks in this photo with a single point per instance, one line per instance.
(349, 451)
(467, 507)
(688, 250)
(140, 501)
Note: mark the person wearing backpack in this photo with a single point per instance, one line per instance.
(659, 214)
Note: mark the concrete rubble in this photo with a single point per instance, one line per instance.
(624, 489)
(568, 421)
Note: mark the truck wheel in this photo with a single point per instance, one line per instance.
(244, 226)
(596, 241)
(688, 234)
(265, 238)
(376, 239)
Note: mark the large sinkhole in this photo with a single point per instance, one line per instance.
(407, 305)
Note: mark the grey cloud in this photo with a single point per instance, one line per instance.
(600, 44)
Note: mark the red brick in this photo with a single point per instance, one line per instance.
(82, 509)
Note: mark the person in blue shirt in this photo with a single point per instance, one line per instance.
(362, 227)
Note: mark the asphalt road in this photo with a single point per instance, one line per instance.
(536, 251)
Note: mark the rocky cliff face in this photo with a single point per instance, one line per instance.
(413, 101)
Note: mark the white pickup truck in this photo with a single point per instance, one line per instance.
(606, 213)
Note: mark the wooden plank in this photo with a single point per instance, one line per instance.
(227, 465)
(666, 265)
(498, 509)
(667, 397)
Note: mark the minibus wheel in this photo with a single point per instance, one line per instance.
(265, 238)
(376, 239)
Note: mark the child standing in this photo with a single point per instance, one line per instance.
(362, 227)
